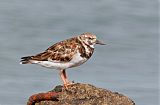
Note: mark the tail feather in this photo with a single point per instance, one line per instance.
(26, 60)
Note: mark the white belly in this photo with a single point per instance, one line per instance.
(76, 61)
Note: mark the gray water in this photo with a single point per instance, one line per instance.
(128, 63)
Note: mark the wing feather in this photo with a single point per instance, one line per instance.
(60, 52)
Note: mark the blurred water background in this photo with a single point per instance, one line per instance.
(127, 64)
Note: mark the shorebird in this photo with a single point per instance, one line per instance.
(65, 54)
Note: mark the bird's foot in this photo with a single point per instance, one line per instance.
(68, 84)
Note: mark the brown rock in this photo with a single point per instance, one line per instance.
(85, 94)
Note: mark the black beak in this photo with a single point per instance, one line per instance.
(99, 42)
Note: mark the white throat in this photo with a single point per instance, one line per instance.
(91, 46)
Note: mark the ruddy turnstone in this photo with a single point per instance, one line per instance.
(65, 54)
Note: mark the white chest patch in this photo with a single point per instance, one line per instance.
(76, 61)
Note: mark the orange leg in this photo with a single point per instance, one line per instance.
(64, 78)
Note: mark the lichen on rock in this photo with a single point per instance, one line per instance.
(85, 94)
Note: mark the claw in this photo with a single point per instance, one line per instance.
(68, 84)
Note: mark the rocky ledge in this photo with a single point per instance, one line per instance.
(79, 94)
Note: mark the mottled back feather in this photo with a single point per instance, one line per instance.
(61, 52)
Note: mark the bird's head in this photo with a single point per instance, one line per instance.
(90, 39)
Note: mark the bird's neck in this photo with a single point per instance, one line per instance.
(85, 49)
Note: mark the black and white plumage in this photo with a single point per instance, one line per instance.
(65, 54)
